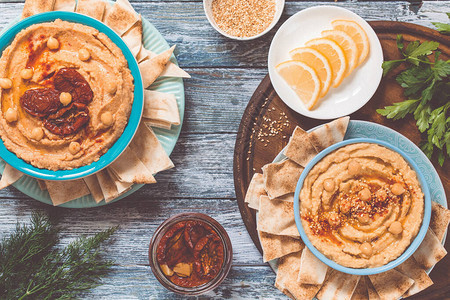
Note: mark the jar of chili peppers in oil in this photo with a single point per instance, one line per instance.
(190, 253)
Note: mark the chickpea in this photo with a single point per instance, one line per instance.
(366, 249)
(107, 118)
(396, 228)
(26, 74)
(345, 206)
(6, 83)
(354, 167)
(333, 219)
(111, 87)
(365, 194)
(65, 98)
(37, 134)
(381, 194)
(11, 115)
(52, 43)
(397, 189)
(74, 147)
(328, 185)
(83, 54)
(363, 218)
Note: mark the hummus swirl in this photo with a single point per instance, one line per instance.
(106, 71)
(361, 205)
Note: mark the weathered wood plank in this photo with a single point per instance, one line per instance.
(201, 46)
(138, 282)
(138, 218)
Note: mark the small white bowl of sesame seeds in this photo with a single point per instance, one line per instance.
(243, 19)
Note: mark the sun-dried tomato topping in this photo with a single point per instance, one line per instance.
(194, 243)
(70, 81)
(40, 102)
(68, 120)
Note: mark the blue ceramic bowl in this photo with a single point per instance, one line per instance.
(392, 264)
(136, 110)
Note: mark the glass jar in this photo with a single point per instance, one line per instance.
(197, 290)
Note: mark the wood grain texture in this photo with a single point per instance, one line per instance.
(225, 74)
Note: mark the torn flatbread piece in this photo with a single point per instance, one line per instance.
(276, 217)
(360, 292)
(92, 8)
(133, 37)
(157, 124)
(440, 217)
(391, 284)
(286, 281)
(153, 67)
(312, 270)
(299, 148)
(281, 178)
(65, 191)
(9, 176)
(430, 251)
(413, 270)
(64, 5)
(288, 197)
(171, 69)
(338, 285)
(126, 4)
(120, 18)
(373, 295)
(94, 187)
(161, 107)
(329, 134)
(107, 185)
(34, 7)
(276, 246)
(128, 168)
(255, 191)
(149, 150)
(122, 187)
(42, 184)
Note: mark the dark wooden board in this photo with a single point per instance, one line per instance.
(251, 153)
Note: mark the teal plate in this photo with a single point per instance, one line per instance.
(364, 129)
(154, 41)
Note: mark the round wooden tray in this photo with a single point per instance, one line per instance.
(255, 147)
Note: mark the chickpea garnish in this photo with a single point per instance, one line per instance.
(26, 74)
(74, 147)
(11, 115)
(65, 98)
(396, 228)
(83, 54)
(397, 189)
(107, 118)
(37, 134)
(52, 43)
(354, 167)
(6, 83)
(366, 249)
(328, 185)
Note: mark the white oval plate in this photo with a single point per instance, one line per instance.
(354, 91)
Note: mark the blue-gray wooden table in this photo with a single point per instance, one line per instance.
(225, 74)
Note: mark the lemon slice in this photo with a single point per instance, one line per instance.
(359, 36)
(347, 44)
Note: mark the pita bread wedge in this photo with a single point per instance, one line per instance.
(157, 124)
(281, 178)
(153, 67)
(329, 134)
(42, 184)
(276, 217)
(122, 187)
(9, 176)
(107, 185)
(126, 4)
(92, 8)
(286, 281)
(133, 37)
(430, 252)
(120, 18)
(64, 5)
(299, 148)
(149, 150)
(94, 187)
(128, 168)
(34, 7)
(360, 292)
(338, 285)
(171, 70)
(255, 191)
(440, 217)
(373, 295)
(288, 197)
(65, 191)
(421, 279)
(161, 107)
(276, 246)
(312, 270)
(391, 284)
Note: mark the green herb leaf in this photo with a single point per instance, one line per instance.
(390, 65)
(421, 49)
(399, 41)
(442, 27)
(399, 110)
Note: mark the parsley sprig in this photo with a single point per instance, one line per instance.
(426, 85)
(33, 267)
